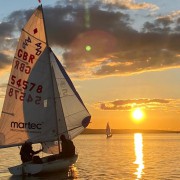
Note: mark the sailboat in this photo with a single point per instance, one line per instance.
(108, 131)
(41, 102)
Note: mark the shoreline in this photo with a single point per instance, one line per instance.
(124, 131)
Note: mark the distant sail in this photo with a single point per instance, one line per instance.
(108, 130)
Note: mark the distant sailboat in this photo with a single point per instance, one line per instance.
(41, 102)
(108, 131)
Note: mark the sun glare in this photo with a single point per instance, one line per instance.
(137, 114)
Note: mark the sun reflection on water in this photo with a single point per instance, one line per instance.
(138, 147)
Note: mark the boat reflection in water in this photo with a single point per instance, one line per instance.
(138, 148)
(71, 173)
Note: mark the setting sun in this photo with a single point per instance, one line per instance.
(137, 114)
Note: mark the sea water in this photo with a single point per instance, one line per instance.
(121, 157)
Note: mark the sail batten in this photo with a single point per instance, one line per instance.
(11, 114)
(34, 36)
(75, 113)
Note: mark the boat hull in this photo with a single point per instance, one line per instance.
(45, 167)
(108, 136)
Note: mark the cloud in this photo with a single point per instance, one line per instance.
(149, 104)
(7, 43)
(6, 28)
(2, 86)
(97, 39)
(2, 90)
(172, 16)
(131, 4)
(4, 61)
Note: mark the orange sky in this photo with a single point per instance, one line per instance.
(113, 99)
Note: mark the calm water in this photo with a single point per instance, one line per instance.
(124, 157)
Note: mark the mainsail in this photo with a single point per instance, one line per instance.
(41, 102)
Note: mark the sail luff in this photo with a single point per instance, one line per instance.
(45, 31)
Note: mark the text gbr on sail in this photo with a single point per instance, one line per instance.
(25, 56)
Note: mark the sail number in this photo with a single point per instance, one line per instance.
(22, 67)
(25, 84)
(23, 96)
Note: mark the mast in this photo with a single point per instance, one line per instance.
(51, 78)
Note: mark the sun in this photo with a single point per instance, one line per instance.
(137, 114)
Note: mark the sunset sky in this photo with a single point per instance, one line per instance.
(120, 54)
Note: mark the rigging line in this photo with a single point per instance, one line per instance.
(75, 113)
(75, 128)
(60, 97)
(60, 78)
(15, 87)
(12, 114)
(27, 63)
(34, 36)
(71, 129)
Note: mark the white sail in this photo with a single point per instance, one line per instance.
(28, 103)
(75, 115)
(41, 102)
(72, 115)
